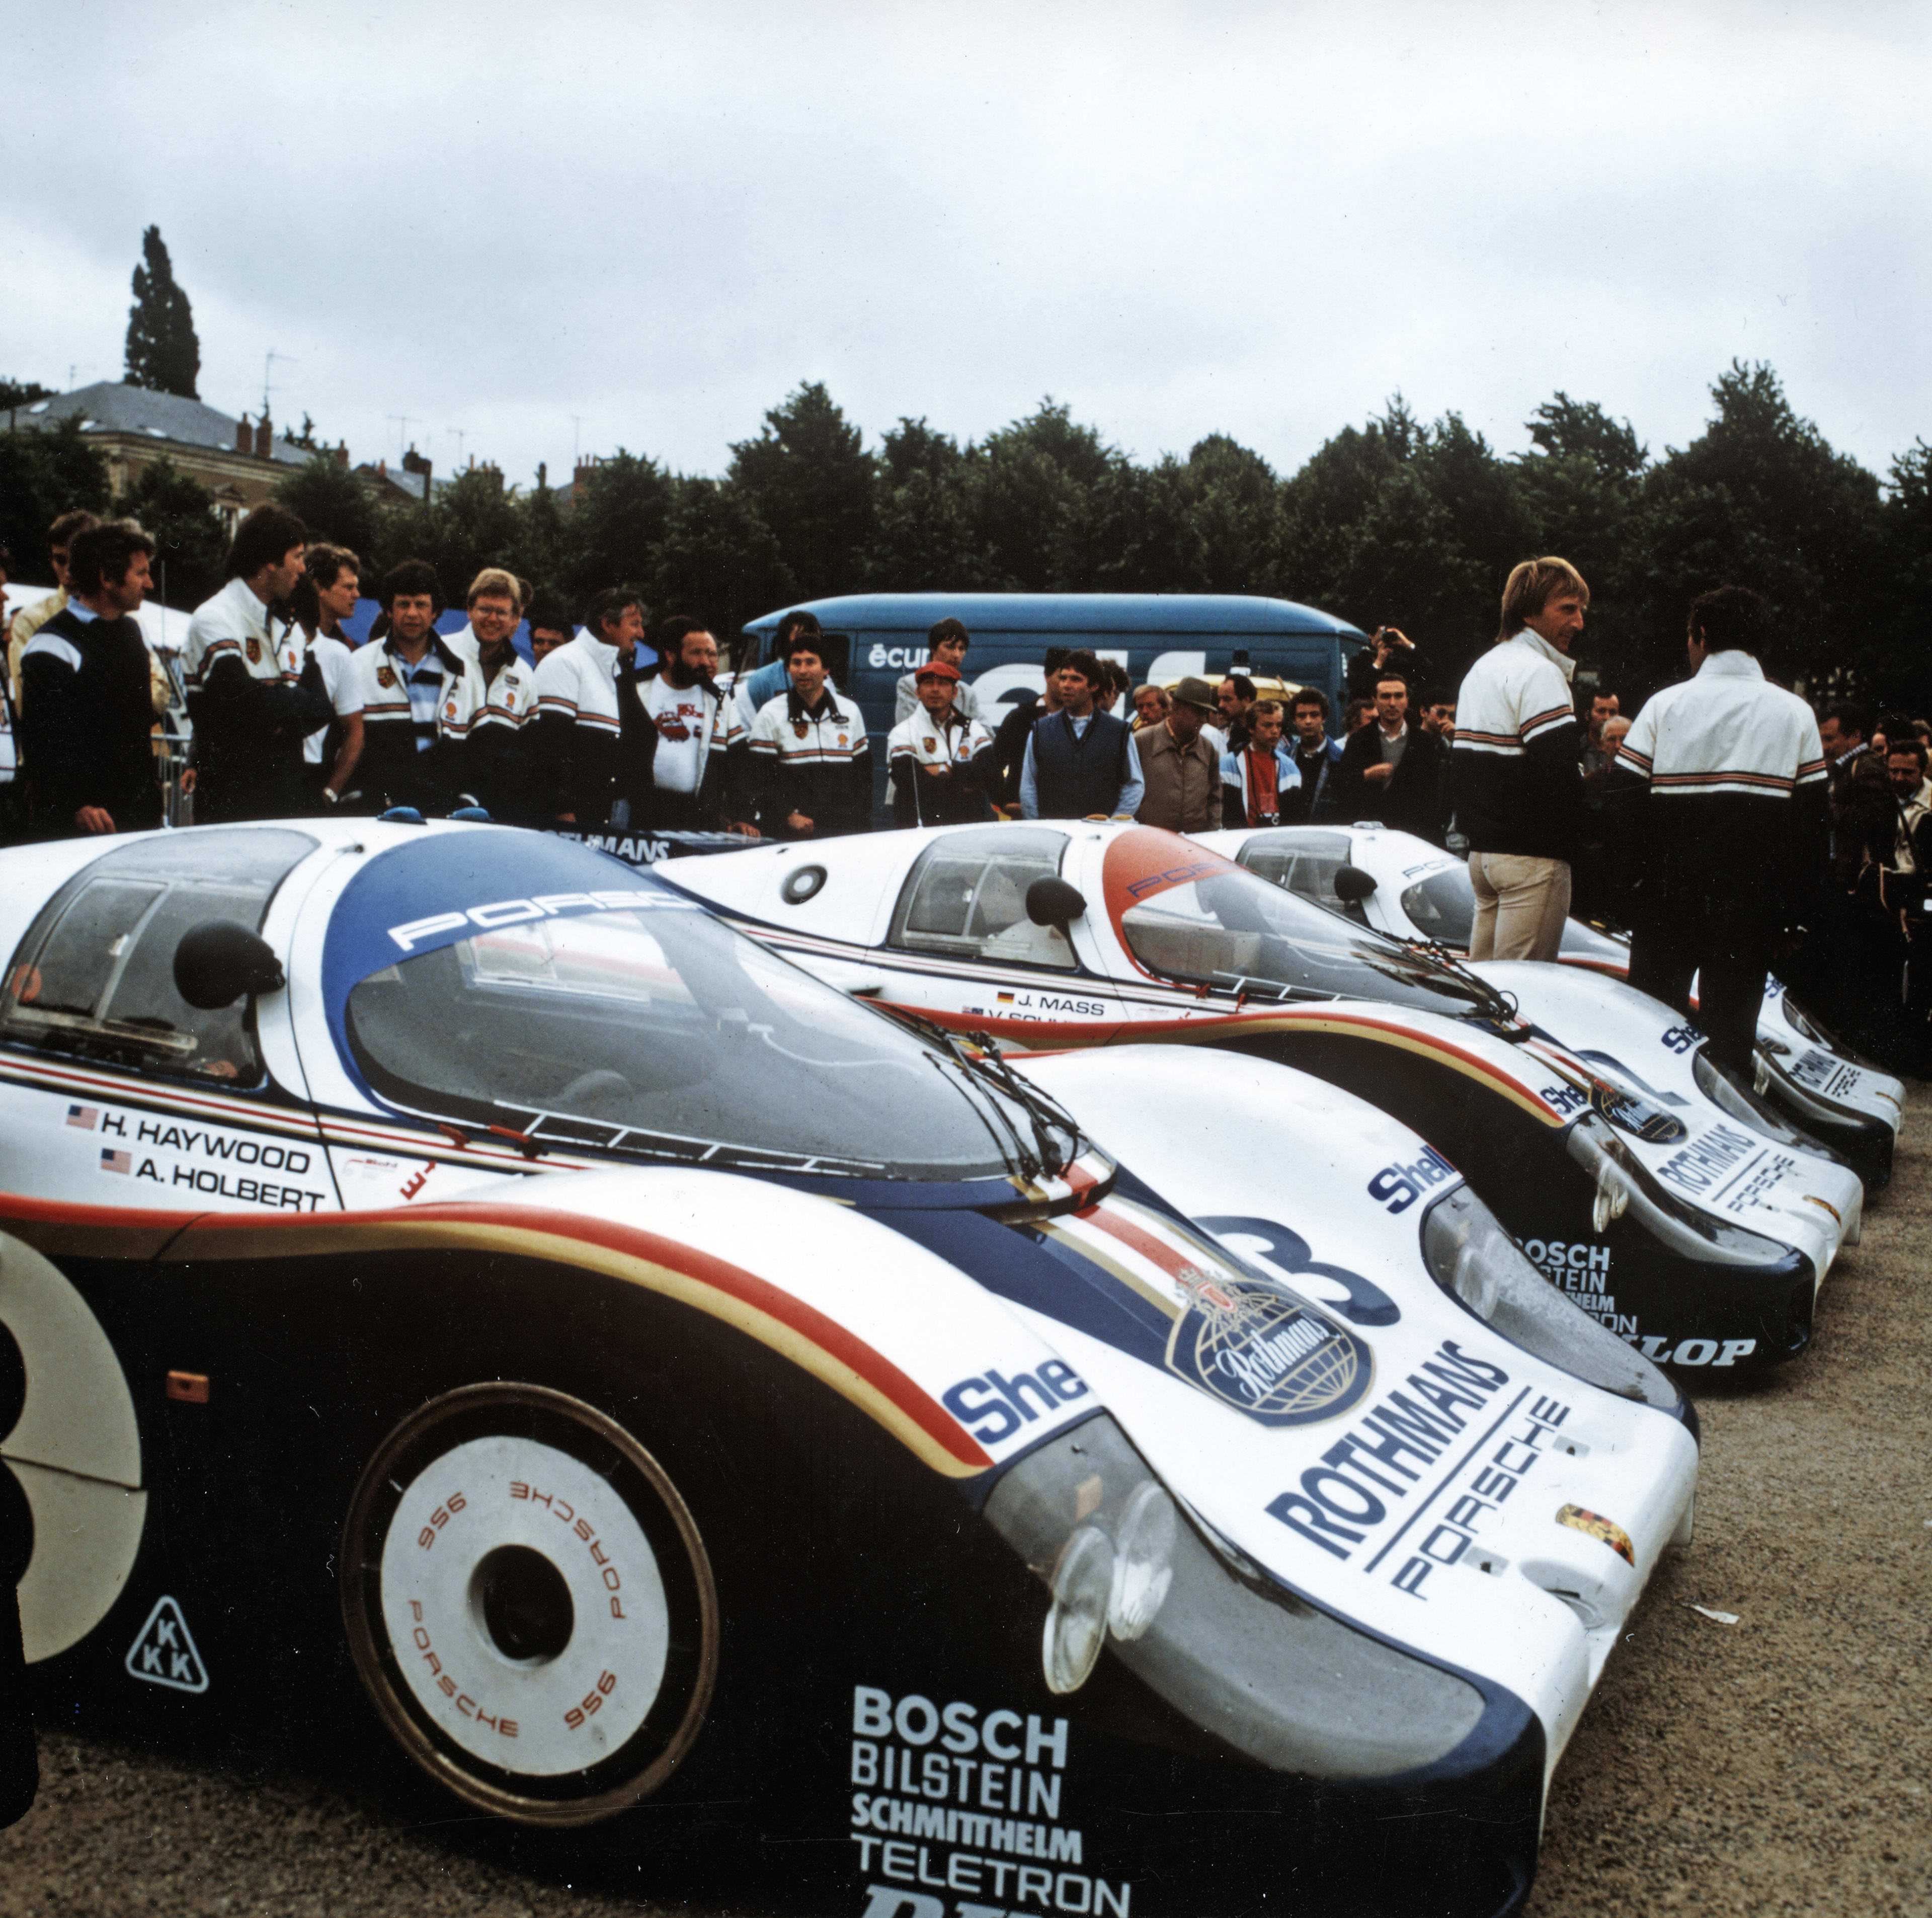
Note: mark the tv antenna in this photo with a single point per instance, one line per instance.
(267, 375)
(576, 420)
(462, 433)
(402, 422)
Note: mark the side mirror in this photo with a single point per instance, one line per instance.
(218, 961)
(1050, 901)
(1352, 885)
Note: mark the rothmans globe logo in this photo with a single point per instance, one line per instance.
(1255, 1346)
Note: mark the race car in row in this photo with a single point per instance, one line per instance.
(1665, 1198)
(456, 1292)
(1405, 887)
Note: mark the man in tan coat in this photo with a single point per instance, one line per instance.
(1182, 770)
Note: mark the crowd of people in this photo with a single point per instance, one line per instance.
(1722, 823)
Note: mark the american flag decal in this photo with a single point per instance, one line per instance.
(112, 1161)
(86, 1117)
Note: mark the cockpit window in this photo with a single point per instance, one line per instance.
(656, 1032)
(966, 896)
(1441, 906)
(1302, 862)
(93, 978)
(1188, 915)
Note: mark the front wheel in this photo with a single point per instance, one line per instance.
(528, 1603)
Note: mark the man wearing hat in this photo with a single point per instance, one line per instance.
(941, 762)
(1182, 770)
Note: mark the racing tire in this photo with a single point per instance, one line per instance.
(529, 1605)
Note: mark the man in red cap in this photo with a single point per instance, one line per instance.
(941, 762)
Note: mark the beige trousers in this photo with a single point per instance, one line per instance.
(1521, 904)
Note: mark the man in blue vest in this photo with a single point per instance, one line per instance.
(1080, 764)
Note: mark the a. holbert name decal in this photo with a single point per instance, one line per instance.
(1255, 1346)
(961, 1799)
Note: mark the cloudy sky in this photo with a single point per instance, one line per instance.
(1260, 220)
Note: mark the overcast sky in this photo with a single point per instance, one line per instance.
(1255, 220)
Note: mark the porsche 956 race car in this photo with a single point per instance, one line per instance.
(459, 1298)
(1420, 892)
(1667, 1200)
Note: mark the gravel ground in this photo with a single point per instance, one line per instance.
(1782, 1764)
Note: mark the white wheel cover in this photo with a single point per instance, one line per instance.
(541, 1718)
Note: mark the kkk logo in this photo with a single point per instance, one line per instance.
(1257, 1346)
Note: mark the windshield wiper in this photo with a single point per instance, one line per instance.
(1039, 1109)
(986, 1062)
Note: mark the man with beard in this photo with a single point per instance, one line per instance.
(677, 730)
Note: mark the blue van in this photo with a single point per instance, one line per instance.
(873, 638)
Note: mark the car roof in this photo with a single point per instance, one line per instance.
(1095, 613)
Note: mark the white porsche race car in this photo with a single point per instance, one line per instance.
(1669, 1201)
(456, 1292)
(1420, 892)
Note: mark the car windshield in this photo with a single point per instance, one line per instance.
(1441, 906)
(655, 1030)
(1190, 915)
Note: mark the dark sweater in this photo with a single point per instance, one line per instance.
(86, 724)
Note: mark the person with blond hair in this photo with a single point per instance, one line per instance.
(1516, 785)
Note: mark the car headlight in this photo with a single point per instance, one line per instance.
(1725, 1091)
(1473, 1260)
(1129, 1573)
(1680, 1227)
(1076, 1623)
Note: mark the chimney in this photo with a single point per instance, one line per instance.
(245, 435)
(413, 461)
(342, 454)
(382, 466)
(265, 437)
(585, 468)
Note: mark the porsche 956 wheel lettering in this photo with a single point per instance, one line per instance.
(528, 1603)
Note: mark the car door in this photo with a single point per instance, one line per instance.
(119, 1094)
(961, 946)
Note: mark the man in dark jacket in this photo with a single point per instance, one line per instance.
(1389, 650)
(86, 721)
(1317, 758)
(1080, 764)
(1393, 771)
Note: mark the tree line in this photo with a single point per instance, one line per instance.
(1396, 521)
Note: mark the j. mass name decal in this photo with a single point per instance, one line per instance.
(967, 1802)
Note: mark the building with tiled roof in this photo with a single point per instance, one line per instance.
(240, 462)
